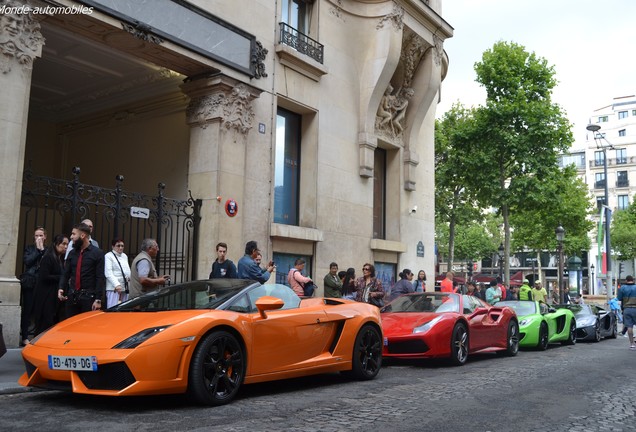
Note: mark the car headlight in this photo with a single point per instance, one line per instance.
(525, 322)
(586, 322)
(135, 340)
(426, 327)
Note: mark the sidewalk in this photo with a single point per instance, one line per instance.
(11, 368)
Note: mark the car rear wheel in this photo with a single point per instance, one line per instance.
(572, 335)
(513, 339)
(367, 353)
(217, 369)
(543, 337)
(459, 345)
(597, 332)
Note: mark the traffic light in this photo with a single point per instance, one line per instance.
(620, 269)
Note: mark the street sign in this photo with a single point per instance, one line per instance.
(140, 212)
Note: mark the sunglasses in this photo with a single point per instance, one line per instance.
(119, 245)
(366, 269)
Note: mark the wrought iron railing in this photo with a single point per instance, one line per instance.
(301, 42)
(58, 204)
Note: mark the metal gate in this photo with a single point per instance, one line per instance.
(58, 205)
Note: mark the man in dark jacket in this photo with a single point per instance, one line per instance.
(223, 267)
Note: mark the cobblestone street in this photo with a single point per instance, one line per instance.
(586, 387)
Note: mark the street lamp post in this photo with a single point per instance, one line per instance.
(594, 128)
(560, 235)
(593, 290)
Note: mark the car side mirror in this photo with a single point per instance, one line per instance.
(480, 311)
(268, 303)
(551, 310)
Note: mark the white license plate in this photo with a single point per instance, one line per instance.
(74, 363)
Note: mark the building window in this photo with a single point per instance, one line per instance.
(577, 159)
(285, 262)
(622, 114)
(621, 179)
(599, 158)
(379, 194)
(599, 182)
(386, 272)
(623, 202)
(287, 168)
(295, 27)
(622, 133)
(621, 156)
(634, 112)
(603, 119)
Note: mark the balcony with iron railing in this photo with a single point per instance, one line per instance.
(301, 42)
(624, 160)
(622, 183)
(600, 184)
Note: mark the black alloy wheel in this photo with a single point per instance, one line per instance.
(459, 345)
(217, 369)
(597, 331)
(367, 353)
(543, 337)
(513, 339)
(572, 335)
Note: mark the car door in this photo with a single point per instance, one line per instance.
(287, 338)
(480, 327)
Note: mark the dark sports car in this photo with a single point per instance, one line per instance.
(447, 325)
(206, 339)
(593, 323)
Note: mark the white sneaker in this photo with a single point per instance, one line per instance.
(625, 335)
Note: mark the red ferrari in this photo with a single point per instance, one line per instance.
(447, 325)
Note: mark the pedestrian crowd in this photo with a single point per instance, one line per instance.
(73, 275)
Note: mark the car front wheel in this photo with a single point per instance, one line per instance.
(543, 337)
(367, 353)
(513, 339)
(597, 332)
(459, 345)
(572, 335)
(217, 369)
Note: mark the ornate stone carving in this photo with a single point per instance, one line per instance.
(337, 11)
(414, 49)
(396, 17)
(20, 37)
(234, 110)
(392, 110)
(258, 55)
(439, 49)
(142, 31)
(204, 108)
(237, 110)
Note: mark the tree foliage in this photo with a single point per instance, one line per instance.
(518, 135)
(623, 233)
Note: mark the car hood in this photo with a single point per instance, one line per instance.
(404, 322)
(103, 330)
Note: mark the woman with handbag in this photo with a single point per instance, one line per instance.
(369, 288)
(117, 273)
(297, 281)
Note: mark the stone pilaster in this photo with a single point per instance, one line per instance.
(20, 44)
(221, 116)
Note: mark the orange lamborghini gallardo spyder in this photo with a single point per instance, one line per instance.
(205, 338)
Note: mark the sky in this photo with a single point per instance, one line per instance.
(591, 44)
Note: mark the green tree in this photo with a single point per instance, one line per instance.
(623, 233)
(564, 200)
(517, 136)
(454, 203)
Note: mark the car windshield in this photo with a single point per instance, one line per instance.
(521, 307)
(204, 294)
(579, 311)
(424, 302)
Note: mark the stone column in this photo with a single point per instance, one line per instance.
(20, 43)
(220, 115)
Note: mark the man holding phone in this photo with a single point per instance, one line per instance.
(248, 267)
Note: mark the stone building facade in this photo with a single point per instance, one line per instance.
(315, 117)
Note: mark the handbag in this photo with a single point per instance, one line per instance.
(309, 289)
(122, 273)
